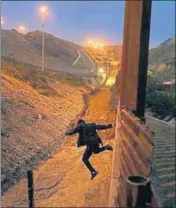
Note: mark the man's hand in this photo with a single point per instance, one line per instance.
(109, 125)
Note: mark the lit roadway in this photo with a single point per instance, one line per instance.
(108, 65)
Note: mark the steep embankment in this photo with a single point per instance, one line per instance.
(63, 181)
(37, 107)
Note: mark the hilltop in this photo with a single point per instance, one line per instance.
(59, 54)
(56, 47)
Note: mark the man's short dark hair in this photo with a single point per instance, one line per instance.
(81, 121)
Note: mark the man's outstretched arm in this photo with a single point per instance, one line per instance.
(102, 127)
(72, 131)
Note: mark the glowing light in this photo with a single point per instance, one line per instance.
(22, 29)
(110, 81)
(90, 42)
(103, 75)
(98, 45)
(95, 43)
(101, 70)
(2, 21)
(43, 10)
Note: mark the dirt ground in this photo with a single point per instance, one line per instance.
(35, 114)
(63, 180)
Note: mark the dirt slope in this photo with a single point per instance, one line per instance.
(37, 107)
(63, 181)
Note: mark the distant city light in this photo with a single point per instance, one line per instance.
(2, 21)
(95, 43)
(89, 42)
(104, 75)
(110, 81)
(101, 70)
(99, 44)
(22, 29)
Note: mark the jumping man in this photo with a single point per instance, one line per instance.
(89, 137)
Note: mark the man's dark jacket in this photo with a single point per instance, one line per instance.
(87, 133)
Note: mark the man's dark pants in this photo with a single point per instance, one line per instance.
(88, 152)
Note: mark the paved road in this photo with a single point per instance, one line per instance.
(79, 56)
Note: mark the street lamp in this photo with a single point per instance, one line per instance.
(43, 12)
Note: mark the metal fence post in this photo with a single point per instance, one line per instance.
(143, 58)
(30, 189)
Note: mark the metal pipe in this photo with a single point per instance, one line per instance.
(143, 58)
(43, 41)
(30, 188)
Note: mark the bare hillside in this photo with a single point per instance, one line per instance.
(66, 51)
(60, 54)
(162, 60)
(37, 107)
(16, 39)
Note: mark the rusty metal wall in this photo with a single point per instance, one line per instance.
(130, 54)
(133, 149)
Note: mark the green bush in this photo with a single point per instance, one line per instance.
(161, 103)
(173, 111)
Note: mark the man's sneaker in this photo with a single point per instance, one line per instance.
(94, 173)
(109, 147)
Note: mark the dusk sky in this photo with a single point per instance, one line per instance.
(78, 21)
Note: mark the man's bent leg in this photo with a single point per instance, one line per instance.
(85, 158)
(97, 149)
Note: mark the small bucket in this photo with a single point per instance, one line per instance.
(138, 180)
(138, 191)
